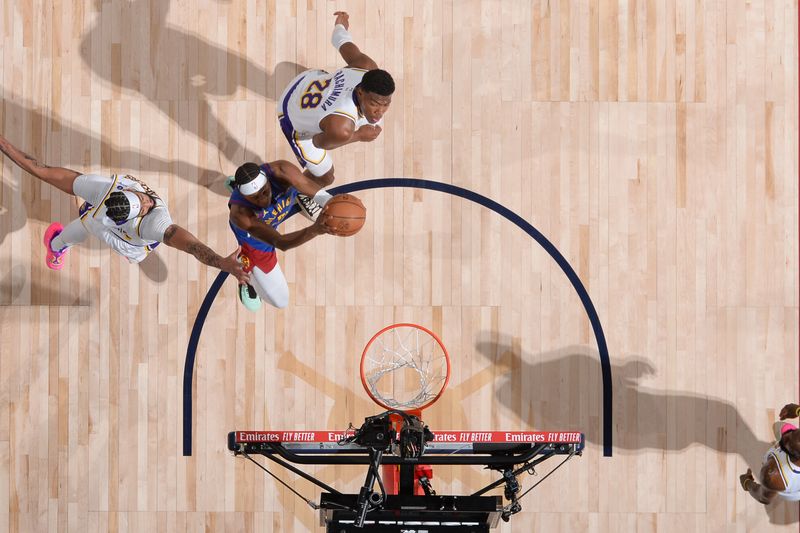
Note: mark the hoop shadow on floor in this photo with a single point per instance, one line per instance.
(568, 373)
(166, 64)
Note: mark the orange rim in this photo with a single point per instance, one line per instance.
(410, 325)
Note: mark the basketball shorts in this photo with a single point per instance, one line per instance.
(316, 160)
(251, 258)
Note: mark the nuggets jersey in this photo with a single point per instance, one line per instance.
(132, 239)
(283, 204)
(315, 94)
(790, 473)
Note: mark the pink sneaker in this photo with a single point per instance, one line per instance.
(54, 260)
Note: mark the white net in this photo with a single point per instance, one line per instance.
(405, 368)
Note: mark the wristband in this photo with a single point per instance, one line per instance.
(322, 197)
(340, 36)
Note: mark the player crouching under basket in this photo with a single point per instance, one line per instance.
(262, 198)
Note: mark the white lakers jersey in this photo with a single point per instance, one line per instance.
(790, 473)
(135, 237)
(315, 94)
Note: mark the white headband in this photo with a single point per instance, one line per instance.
(135, 208)
(252, 187)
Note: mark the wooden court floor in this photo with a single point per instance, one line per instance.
(653, 142)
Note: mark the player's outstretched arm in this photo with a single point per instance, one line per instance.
(61, 178)
(294, 177)
(182, 239)
(343, 41)
(244, 218)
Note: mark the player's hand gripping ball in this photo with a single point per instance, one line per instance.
(344, 215)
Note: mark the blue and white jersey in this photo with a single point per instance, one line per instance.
(283, 204)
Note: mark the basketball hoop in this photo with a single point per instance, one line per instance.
(405, 367)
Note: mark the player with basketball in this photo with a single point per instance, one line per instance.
(319, 111)
(119, 210)
(780, 472)
(262, 198)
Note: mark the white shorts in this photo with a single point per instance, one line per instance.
(316, 160)
(132, 252)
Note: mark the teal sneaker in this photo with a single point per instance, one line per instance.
(249, 297)
(229, 181)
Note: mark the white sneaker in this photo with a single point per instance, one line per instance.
(308, 207)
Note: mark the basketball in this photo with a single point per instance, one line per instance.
(344, 215)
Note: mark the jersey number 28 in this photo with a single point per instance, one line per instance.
(313, 95)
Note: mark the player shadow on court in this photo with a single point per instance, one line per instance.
(154, 267)
(13, 215)
(640, 415)
(55, 133)
(353, 406)
(167, 64)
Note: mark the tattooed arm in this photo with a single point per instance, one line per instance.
(177, 237)
(56, 176)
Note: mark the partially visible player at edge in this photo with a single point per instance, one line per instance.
(263, 196)
(780, 470)
(319, 112)
(121, 211)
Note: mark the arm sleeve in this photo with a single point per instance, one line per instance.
(154, 224)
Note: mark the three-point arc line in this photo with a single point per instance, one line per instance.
(524, 225)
